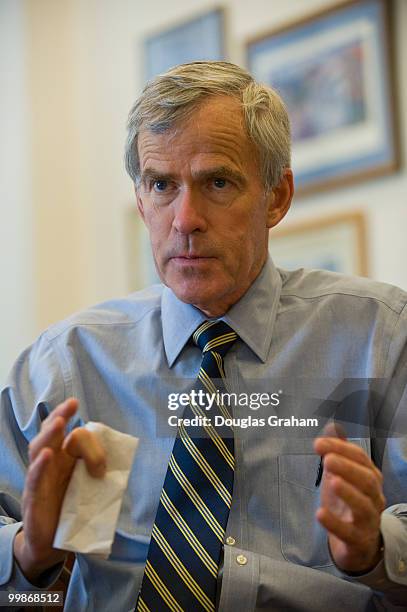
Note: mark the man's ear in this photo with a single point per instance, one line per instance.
(139, 201)
(280, 199)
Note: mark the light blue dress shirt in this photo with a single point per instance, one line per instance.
(304, 332)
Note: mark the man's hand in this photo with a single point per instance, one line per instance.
(352, 501)
(52, 458)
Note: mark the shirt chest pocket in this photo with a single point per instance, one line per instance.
(303, 540)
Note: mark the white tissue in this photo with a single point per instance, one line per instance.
(91, 506)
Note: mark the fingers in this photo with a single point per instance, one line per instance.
(50, 436)
(66, 410)
(81, 443)
(42, 497)
(352, 501)
(365, 543)
(363, 507)
(351, 462)
(363, 478)
(37, 471)
(347, 532)
(53, 428)
(342, 447)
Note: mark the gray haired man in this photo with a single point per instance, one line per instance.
(208, 150)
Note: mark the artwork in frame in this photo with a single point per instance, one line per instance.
(334, 73)
(335, 243)
(200, 38)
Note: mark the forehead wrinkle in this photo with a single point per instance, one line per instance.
(226, 136)
(224, 139)
(223, 145)
(224, 152)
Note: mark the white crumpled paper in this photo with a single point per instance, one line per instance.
(91, 506)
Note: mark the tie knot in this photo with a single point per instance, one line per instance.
(214, 335)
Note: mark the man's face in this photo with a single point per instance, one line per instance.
(203, 201)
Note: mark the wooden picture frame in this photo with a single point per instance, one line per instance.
(336, 243)
(334, 70)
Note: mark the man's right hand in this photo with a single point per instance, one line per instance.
(53, 455)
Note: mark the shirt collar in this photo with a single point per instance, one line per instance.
(252, 317)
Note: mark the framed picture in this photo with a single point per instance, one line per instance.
(201, 38)
(333, 72)
(335, 243)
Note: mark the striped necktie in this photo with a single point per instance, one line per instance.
(187, 537)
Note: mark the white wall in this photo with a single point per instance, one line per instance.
(16, 243)
(82, 72)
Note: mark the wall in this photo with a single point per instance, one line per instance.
(80, 62)
(16, 215)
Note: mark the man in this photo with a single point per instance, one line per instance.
(209, 153)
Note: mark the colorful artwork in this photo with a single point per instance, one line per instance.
(334, 85)
(332, 72)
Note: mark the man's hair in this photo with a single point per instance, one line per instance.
(170, 98)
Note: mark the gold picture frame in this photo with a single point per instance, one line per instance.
(337, 243)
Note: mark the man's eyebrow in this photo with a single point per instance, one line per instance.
(150, 174)
(221, 172)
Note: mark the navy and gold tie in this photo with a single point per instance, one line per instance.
(187, 537)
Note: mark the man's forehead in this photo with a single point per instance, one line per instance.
(164, 156)
(215, 128)
(214, 112)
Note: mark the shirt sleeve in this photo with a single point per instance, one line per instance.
(252, 581)
(34, 387)
(390, 574)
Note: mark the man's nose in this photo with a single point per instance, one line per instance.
(188, 216)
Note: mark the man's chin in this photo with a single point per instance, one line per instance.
(194, 291)
(212, 298)
(194, 296)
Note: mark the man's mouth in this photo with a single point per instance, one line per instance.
(188, 259)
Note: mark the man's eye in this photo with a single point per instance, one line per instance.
(160, 185)
(219, 183)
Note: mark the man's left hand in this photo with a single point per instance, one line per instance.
(352, 501)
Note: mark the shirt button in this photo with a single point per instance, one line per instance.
(402, 566)
(231, 541)
(241, 559)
